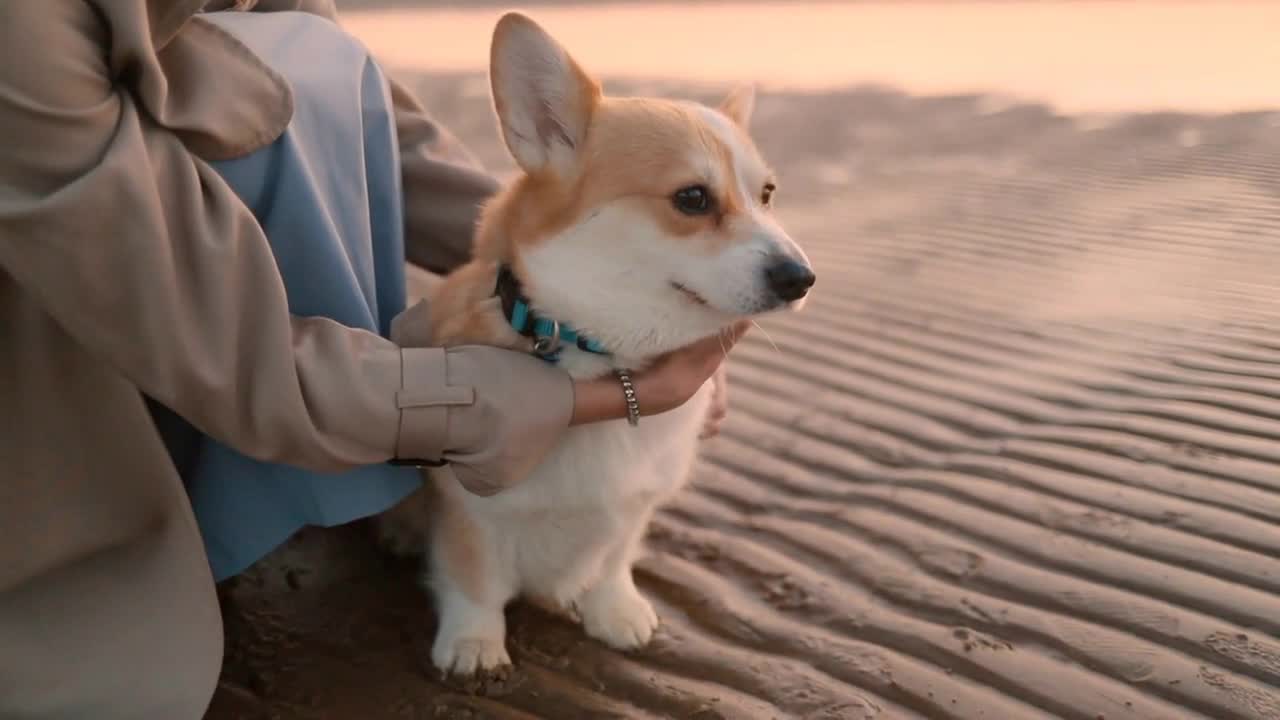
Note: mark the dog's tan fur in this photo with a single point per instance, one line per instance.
(620, 164)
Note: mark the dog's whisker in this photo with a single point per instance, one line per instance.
(767, 337)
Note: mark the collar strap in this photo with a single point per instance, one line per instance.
(549, 336)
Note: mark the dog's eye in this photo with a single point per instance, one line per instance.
(693, 200)
(766, 195)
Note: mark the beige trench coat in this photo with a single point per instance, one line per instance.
(127, 268)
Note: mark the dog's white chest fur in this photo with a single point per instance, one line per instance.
(567, 535)
(595, 491)
(607, 465)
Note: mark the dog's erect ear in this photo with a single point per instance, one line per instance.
(542, 97)
(739, 105)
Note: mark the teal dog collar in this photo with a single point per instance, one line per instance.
(549, 336)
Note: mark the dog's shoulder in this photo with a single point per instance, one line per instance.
(465, 310)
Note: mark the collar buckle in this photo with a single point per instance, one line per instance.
(547, 345)
(549, 336)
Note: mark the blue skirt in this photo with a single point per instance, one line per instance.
(328, 195)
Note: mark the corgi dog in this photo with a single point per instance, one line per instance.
(635, 227)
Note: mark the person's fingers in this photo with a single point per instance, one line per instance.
(731, 335)
(717, 345)
(727, 337)
(720, 392)
(719, 409)
(711, 425)
(708, 353)
(724, 341)
(734, 332)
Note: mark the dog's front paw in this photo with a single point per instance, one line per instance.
(619, 616)
(463, 656)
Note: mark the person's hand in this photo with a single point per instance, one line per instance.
(663, 386)
(719, 409)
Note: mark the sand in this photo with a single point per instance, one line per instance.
(1018, 459)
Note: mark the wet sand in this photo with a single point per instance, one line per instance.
(1018, 459)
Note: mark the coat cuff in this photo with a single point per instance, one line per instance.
(491, 414)
(423, 400)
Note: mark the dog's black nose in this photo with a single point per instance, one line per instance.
(789, 280)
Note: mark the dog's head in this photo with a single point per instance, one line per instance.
(645, 223)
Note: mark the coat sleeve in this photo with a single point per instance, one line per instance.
(140, 252)
(444, 188)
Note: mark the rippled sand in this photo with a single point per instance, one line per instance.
(1020, 457)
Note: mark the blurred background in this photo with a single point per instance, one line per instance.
(1017, 459)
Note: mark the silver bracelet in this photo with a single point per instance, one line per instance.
(629, 390)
